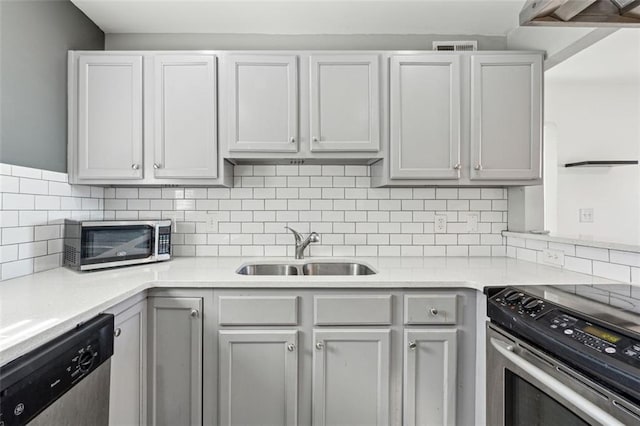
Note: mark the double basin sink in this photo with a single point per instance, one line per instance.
(311, 268)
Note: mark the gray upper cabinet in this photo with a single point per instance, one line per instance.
(263, 103)
(258, 377)
(351, 370)
(127, 393)
(425, 117)
(345, 103)
(430, 377)
(185, 134)
(108, 117)
(506, 116)
(176, 361)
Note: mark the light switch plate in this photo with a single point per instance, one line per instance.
(586, 215)
(472, 222)
(211, 223)
(440, 223)
(553, 257)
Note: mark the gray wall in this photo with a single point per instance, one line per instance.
(281, 42)
(34, 39)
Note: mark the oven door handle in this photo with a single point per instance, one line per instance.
(602, 417)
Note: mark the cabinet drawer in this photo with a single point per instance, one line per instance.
(352, 310)
(258, 310)
(430, 309)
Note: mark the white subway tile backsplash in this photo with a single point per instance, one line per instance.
(335, 201)
(34, 206)
(624, 258)
(594, 253)
(612, 271)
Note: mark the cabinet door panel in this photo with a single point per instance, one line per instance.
(127, 393)
(430, 380)
(263, 98)
(109, 117)
(425, 117)
(506, 116)
(258, 377)
(176, 361)
(345, 103)
(185, 116)
(351, 377)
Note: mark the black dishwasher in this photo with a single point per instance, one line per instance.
(63, 382)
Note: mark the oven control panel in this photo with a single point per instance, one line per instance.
(523, 312)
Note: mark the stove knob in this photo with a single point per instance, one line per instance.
(513, 296)
(531, 303)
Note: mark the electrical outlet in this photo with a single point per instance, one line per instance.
(441, 224)
(586, 215)
(211, 222)
(472, 222)
(554, 257)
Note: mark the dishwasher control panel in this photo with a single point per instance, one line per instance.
(34, 381)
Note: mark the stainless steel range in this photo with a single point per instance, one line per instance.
(554, 358)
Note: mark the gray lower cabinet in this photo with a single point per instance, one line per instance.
(351, 370)
(430, 376)
(258, 377)
(176, 374)
(128, 367)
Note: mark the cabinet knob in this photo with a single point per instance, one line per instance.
(117, 332)
(433, 311)
(412, 345)
(156, 165)
(291, 347)
(135, 166)
(314, 139)
(292, 140)
(319, 345)
(457, 167)
(478, 167)
(194, 313)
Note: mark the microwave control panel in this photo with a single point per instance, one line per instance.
(164, 240)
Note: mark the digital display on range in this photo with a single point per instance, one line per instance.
(611, 338)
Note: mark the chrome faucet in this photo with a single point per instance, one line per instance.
(301, 245)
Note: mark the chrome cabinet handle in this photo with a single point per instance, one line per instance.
(478, 167)
(412, 345)
(117, 332)
(156, 166)
(194, 313)
(292, 140)
(314, 139)
(291, 347)
(319, 345)
(433, 311)
(135, 166)
(457, 167)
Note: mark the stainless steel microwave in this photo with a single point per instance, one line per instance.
(106, 244)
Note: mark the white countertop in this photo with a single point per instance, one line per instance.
(36, 308)
(575, 240)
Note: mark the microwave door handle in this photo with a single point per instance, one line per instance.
(506, 350)
(156, 241)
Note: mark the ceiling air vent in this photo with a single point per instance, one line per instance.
(455, 46)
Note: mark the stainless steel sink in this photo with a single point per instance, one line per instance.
(268, 269)
(326, 268)
(311, 268)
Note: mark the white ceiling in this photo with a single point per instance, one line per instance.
(482, 17)
(615, 58)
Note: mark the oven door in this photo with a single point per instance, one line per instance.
(117, 243)
(526, 387)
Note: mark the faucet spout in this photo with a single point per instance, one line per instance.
(300, 244)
